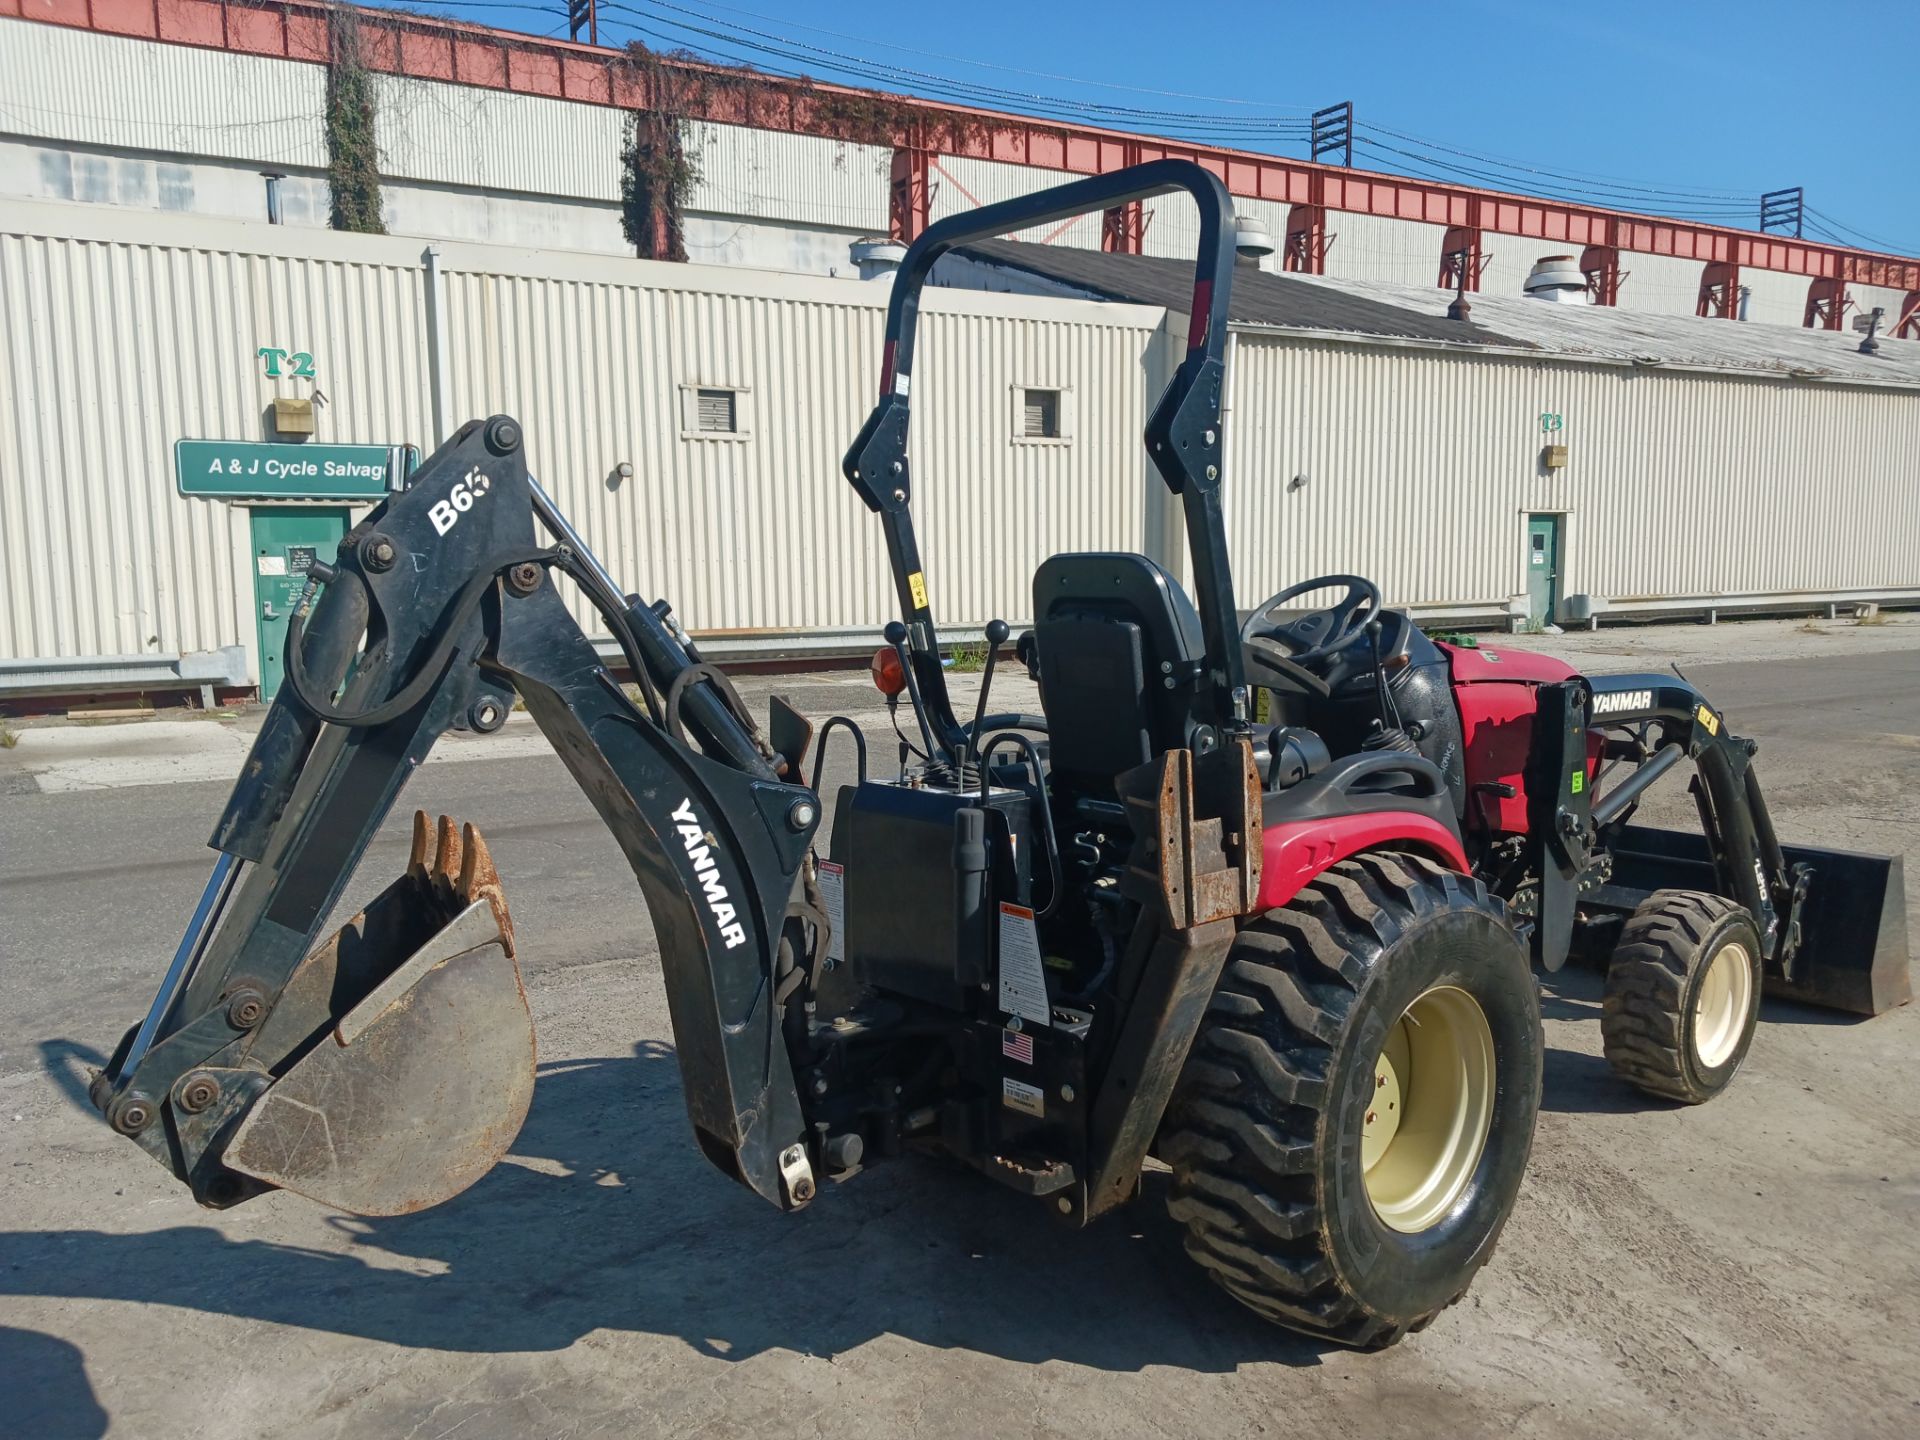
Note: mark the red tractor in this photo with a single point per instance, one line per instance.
(1256, 899)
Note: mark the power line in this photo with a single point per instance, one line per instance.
(1175, 125)
(1301, 110)
(1449, 172)
(723, 41)
(1526, 167)
(871, 69)
(1860, 236)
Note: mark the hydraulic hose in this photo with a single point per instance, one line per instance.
(424, 679)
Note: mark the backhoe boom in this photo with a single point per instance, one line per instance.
(440, 588)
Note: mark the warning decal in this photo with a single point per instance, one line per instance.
(1023, 983)
(833, 893)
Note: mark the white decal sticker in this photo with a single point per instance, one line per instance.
(446, 513)
(1027, 1099)
(1023, 981)
(833, 894)
(1622, 700)
(273, 564)
(700, 849)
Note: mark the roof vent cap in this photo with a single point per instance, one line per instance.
(1557, 278)
(1250, 238)
(876, 256)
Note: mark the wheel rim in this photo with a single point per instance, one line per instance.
(1426, 1123)
(1720, 1007)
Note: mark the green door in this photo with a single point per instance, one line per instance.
(286, 540)
(1543, 569)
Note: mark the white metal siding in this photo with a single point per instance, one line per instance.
(762, 532)
(496, 139)
(116, 347)
(799, 179)
(122, 93)
(126, 332)
(1421, 467)
(1377, 247)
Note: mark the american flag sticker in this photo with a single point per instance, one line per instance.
(1017, 1045)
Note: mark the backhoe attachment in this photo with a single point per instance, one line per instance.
(390, 1067)
(345, 1124)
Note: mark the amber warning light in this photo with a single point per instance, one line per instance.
(889, 677)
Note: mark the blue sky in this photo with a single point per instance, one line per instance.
(1685, 107)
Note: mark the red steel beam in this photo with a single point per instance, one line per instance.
(433, 49)
(1827, 304)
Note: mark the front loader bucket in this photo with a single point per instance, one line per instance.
(415, 1087)
(1853, 926)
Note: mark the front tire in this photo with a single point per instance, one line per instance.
(1353, 1122)
(1683, 993)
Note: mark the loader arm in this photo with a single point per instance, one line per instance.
(383, 1070)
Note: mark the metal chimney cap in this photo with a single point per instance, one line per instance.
(1557, 278)
(1250, 237)
(877, 249)
(876, 256)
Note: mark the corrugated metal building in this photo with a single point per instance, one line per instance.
(183, 107)
(127, 332)
(1704, 467)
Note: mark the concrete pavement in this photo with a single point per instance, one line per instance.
(1741, 1269)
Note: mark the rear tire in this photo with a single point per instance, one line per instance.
(1683, 993)
(1291, 1202)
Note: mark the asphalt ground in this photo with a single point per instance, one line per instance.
(1745, 1268)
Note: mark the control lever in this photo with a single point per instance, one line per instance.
(896, 635)
(1382, 696)
(997, 632)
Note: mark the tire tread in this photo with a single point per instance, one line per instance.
(1642, 1020)
(1243, 1126)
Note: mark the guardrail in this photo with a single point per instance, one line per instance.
(200, 670)
(1594, 608)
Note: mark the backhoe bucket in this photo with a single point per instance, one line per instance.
(1853, 926)
(421, 1075)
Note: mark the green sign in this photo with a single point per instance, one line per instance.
(247, 469)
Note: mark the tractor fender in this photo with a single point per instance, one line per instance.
(1294, 852)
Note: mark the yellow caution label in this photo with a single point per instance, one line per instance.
(917, 587)
(1709, 721)
(1262, 704)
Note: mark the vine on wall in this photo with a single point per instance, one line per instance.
(353, 151)
(659, 169)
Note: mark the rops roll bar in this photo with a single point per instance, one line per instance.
(1184, 436)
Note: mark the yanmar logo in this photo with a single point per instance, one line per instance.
(694, 836)
(1622, 700)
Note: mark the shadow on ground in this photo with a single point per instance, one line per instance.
(48, 1394)
(606, 1217)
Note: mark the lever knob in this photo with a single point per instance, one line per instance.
(895, 633)
(997, 632)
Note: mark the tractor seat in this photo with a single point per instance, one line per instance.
(1118, 641)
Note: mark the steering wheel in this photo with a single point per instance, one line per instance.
(1288, 646)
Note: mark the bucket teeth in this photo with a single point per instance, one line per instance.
(446, 857)
(476, 864)
(452, 862)
(480, 881)
(422, 849)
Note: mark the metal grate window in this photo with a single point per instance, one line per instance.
(1040, 415)
(716, 413)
